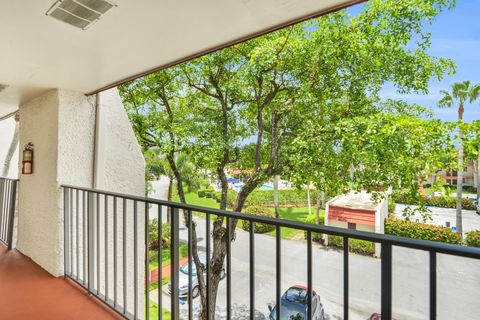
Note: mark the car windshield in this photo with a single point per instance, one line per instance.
(184, 269)
(297, 295)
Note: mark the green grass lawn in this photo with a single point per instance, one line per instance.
(288, 213)
(295, 214)
(154, 312)
(166, 256)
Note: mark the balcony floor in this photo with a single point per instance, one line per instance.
(29, 292)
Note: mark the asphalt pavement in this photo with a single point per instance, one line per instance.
(458, 279)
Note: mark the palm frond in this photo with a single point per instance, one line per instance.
(447, 99)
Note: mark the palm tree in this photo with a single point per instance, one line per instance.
(460, 93)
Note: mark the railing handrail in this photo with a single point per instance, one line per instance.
(426, 245)
(10, 179)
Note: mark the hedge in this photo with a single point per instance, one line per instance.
(442, 201)
(265, 197)
(422, 231)
(201, 193)
(209, 194)
(311, 219)
(258, 227)
(354, 245)
(473, 239)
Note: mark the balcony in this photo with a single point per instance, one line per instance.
(106, 259)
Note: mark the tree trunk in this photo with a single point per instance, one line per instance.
(275, 195)
(319, 203)
(11, 150)
(460, 175)
(308, 198)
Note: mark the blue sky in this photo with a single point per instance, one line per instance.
(455, 35)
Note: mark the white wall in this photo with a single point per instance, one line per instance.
(6, 133)
(61, 125)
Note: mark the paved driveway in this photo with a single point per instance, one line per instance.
(458, 279)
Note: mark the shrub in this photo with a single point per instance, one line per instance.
(354, 245)
(209, 194)
(205, 183)
(311, 219)
(391, 204)
(473, 239)
(442, 201)
(422, 231)
(231, 197)
(258, 227)
(153, 235)
(201, 193)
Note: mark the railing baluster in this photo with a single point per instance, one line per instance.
(190, 261)
(90, 238)
(386, 290)
(135, 260)
(84, 236)
(77, 219)
(229, 270)
(345, 279)
(278, 274)
(98, 243)
(174, 255)
(433, 285)
(3, 206)
(66, 205)
(252, 269)
(124, 255)
(147, 267)
(309, 275)
(105, 213)
(207, 277)
(159, 259)
(115, 257)
(70, 231)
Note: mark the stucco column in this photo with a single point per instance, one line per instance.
(61, 126)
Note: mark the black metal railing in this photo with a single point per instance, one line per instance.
(8, 207)
(94, 217)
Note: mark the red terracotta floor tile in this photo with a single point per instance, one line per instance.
(29, 292)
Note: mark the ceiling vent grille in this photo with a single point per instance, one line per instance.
(79, 13)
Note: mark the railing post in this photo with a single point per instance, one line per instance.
(13, 198)
(66, 222)
(174, 255)
(90, 205)
(386, 291)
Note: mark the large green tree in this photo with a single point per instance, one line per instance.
(461, 93)
(302, 102)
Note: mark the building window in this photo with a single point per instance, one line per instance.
(352, 226)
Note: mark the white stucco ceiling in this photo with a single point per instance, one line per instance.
(134, 38)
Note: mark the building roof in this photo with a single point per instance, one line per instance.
(353, 200)
(132, 39)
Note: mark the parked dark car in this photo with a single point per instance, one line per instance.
(294, 305)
